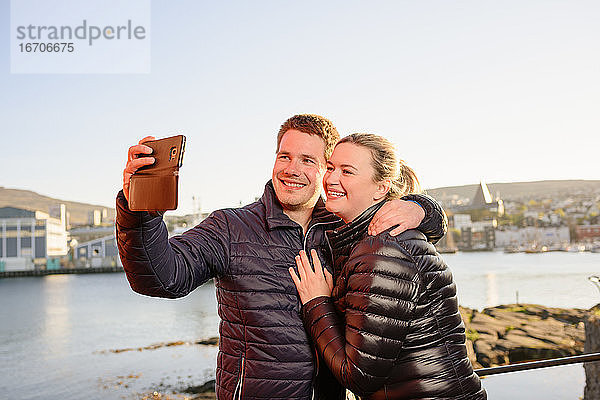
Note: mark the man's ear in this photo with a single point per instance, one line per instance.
(383, 188)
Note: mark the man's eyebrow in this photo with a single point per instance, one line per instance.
(288, 153)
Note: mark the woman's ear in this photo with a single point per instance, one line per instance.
(383, 188)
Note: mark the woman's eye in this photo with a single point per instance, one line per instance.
(329, 168)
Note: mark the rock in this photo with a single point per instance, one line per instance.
(213, 341)
(472, 355)
(523, 332)
(207, 387)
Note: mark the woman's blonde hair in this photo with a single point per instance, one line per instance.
(386, 164)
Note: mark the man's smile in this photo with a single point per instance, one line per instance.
(291, 184)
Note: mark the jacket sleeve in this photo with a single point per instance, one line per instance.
(361, 346)
(435, 222)
(161, 267)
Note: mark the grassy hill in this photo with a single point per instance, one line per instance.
(511, 191)
(521, 190)
(36, 202)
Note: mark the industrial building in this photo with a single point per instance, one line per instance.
(31, 239)
(100, 252)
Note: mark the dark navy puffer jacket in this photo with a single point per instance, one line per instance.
(391, 328)
(264, 351)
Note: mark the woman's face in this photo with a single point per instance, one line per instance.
(349, 183)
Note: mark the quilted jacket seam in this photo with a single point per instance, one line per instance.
(143, 232)
(456, 374)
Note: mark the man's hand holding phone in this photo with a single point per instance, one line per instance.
(136, 160)
(151, 176)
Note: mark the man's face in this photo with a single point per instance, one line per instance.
(299, 169)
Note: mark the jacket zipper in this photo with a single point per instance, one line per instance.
(331, 254)
(240, 384)
(316, 352)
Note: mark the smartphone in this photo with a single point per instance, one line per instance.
(155, 187)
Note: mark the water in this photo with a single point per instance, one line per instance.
(557, 279)
(56, 332)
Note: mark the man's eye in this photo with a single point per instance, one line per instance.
(309, 161)
(282, 157)
(347, 172)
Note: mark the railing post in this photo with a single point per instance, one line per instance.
(592, 345)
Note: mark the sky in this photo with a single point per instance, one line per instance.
(467, 90)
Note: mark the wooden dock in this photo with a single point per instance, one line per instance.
(44, 272)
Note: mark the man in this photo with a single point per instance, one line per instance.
(264, 351)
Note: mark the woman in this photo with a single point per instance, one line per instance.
(389, 328)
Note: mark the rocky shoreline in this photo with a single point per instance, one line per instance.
(500, 335)
(514, 333)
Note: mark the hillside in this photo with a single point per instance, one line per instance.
(511, 191)
(33, 201)
(520, 190)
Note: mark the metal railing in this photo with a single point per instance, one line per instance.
(538, 364)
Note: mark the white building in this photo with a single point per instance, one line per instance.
(462, 221)
(31, 238)
(541, 236)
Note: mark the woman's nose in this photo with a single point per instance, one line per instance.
(332, 178)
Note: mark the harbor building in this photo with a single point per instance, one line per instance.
(554, 237)
(31, 239)
(482, 205)
(588, 233)
(476, 223)
(88, 233)
(98, 217)
(100, 252)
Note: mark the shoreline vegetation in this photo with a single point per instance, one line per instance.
(505, 334)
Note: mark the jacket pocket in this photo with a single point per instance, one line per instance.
(237, 393)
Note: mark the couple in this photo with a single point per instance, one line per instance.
(389, 327)
(264, 350)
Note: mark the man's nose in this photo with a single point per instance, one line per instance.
(292, 168)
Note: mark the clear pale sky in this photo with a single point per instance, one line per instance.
(468, 90)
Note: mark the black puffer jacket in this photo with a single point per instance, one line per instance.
(264, 351)
(391, 329)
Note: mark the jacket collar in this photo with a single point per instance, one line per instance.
(344, 237)
(276, 218)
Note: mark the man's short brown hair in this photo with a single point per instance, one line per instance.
(313, 125)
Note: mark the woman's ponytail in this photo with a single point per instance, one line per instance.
(407, 181)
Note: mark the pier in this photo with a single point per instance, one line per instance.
(44, 272)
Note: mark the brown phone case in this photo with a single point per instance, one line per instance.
(154, 187)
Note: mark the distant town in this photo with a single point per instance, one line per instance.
(530, 221)
(532, 224)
